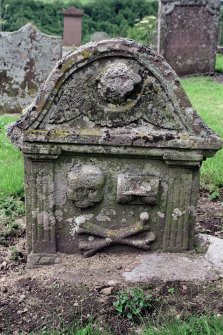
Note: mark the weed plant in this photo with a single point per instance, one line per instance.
(11, 208)
(15, 255)
(133, 302)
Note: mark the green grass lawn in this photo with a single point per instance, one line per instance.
(206, 96)
(196, 325)
(11, 162)
(219, 63)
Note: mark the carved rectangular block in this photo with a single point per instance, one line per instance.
(137, 189)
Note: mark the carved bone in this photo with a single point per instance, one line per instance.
(108, 237)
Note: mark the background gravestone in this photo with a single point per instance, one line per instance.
(188, 34)
(112, 152)
(72, 27)
(26, 58)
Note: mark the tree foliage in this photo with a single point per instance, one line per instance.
(144, 30)
(115, 17)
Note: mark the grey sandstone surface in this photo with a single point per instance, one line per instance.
(26, 58)
(188, 34)
(112, 150)
(184, 267)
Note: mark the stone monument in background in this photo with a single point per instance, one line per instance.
(112, 150)
(72, 27)
(188, 34)
(26, 58)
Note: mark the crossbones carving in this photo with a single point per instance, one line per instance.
(100, 237)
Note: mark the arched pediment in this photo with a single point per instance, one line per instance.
(112, 88)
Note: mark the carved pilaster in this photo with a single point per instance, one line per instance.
(180, 211)
(40, 207)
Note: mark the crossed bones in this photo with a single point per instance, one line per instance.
(107, 237)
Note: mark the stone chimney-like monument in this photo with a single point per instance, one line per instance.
(72, 26)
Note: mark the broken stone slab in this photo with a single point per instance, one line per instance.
(34, 261)
(181, 266)
(214, 253)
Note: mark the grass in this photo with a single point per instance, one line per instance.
(206, 96)
(219, 63)
(196, 325)
(11, 162)
(74, 329)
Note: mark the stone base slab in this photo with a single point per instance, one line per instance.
(36, 260)
(135, 267)
(181, 266)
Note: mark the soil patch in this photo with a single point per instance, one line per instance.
(210, 215)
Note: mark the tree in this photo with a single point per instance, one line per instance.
(144, 30)
(114, 17)
(3, 13)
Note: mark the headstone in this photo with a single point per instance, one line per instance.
(26, 58)
(72, 27)
(112, 153)
(188, 34)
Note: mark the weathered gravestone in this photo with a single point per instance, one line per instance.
(112, 153)
(188, 34)
(26, 58)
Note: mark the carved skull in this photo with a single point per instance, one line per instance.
(118, 82)
(86, 185)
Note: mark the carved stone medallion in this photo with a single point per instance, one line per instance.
(118, 83)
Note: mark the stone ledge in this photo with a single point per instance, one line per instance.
(181, 266)
(36, 260)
